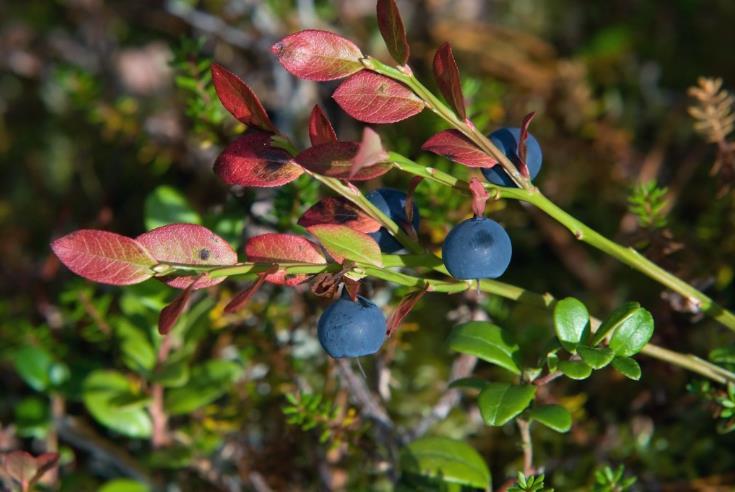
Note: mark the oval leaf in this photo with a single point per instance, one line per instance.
(171, 313)
(318, 55)
(104, 257)
(501, 402)
(188, 244)
(595, 357)
(486, 341)
(575, 369)
(446, 73)
(336, 160)
(554, 417)
(453, 145)
(571, 322)
(374, 98)
(392, 30)
(627, 367)
(344, 243)
(616, 318)
(447, 459)
(239, 99)
(104, 393)
(207, 382)
(283, 248)
(320, 129)
(632, 334)
(339, 210)
(252, 160)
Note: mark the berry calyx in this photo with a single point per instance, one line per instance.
(506, 140)
(350, 328)
(477, 248)
(393, 204)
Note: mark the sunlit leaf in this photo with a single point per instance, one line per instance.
(275, 247)
(339, 210)
(455, 146)
(374, 98)
(239, 99)
(554, 417)
(344, 243)
(446, 459)
(447, 78)
(501, 402)
(318, 55)
(392, 30)
(486, 341)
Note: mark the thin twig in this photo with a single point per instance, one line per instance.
(524, 427)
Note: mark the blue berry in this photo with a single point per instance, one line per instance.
(477, 248)
(393, 204)
(351, 329)
(506, 140)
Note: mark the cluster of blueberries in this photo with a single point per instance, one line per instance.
(474, 249)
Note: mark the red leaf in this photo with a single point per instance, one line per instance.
(446, 73)
(241, 298)
(335, 160)
(374, 98)
(239, 99)
(318, 55)
(104, 257)
(252, 160)
(370, 152)
(339, 210)
(188, 244)
(403, 309)
(25, 468)
(523, 167)
(392, 30)
(283, 248)
(408, 207)
(171, 313)
(479, 196)
(320, 129)
(455, 146)
(343, 243)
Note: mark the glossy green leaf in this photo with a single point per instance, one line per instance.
(109, 397)
(571, 322)
(501, 402)
(344, 243)
(166, 205)
(34, 365)
(447, 459)
(124, 485)
(633, 334)
(207, 382)
(487, 342)
(575, 369)
(554, 417)
(627, 367)
(616, 318)
(595, 357)
(468, 383)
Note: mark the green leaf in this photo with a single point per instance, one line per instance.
(469, 383)
(165, 205)
(174, 373)
(595, 357)
(575, 369)
(616, 318)
(109, 397)
(633, 334)
(32, 417)
(554, 417)
(137, 351)
(571, 322)
(124, 485)
(344, 243)
(34, 365)
(207, 382)
(723, 355)
(627, 367)
(487, 342)
(500, 402)
(450, 460)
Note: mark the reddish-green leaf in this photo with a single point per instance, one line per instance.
(188, 244)
(392, 30)
(446, 73)
(239, 99)
(318, 55)
(338, 210)
(241, 298)
(252, 160)
(344, 243)
(404, 308)
(104, 257)
(455, 146)
(283, 248)
(374, 98)
(369, 153)
(320, 129)
(171, 313)
(336, 159)
(479, 196)
(523, 167)
(25, 468)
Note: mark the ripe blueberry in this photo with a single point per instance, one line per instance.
(351, 329)
(506, 140)
(393, 204)
(477, 248)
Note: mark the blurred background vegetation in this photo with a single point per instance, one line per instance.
(108, 120)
